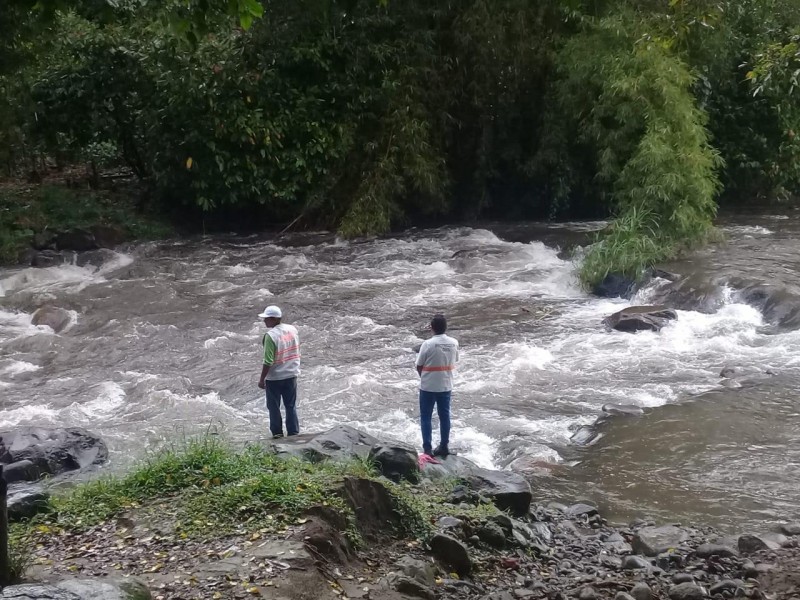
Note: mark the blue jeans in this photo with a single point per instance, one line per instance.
(427, 400)
(286, 389)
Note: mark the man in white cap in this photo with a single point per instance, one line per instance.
(279, 372)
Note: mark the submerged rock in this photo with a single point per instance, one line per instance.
(44, 240)
(106, 236)
(579, 510)
(640, 318)
(586, 435)
(615, 285)
(56, 319)
(76, 239)
(95, 258)
(49, 258)
(695, 292)
(623, 410)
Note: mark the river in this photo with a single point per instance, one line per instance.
(165, 343)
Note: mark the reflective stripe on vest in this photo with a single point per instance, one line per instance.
(445, 368)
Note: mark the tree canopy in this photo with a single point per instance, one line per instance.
(363, 115)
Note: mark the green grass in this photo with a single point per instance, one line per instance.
(205, 488)
(628, 247)
(212, 485)
(421, 506)
(26, 211)
(633, 243)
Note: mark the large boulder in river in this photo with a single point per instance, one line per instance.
(79, 589)
(696, 293)
(52, 451)
(50, 258)
(56, 319)
(640, 318)
(340, 444)
(76, 240)
(615, 285)
(44, 240)
(95, 258)
(106, 236)
(508, 491)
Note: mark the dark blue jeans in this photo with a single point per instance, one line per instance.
(427, 400)
(286, 389)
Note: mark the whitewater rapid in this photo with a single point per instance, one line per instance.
(164, 340)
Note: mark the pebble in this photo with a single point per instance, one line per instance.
(682, 578)
(725, 584)
(790, 529)
(588, 593)
(642, 591)
(708, 550)
(687, 591)
(450, 523)
(633, 562)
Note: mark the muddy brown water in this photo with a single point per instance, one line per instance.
(164, 343)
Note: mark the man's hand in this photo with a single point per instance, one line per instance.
(262, 380)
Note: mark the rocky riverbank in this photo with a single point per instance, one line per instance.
(210, 524)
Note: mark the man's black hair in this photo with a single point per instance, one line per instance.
(439, 324)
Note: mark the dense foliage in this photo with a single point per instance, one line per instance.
(363, 115)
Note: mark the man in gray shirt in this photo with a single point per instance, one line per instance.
(436, 364)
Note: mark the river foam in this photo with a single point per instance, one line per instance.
(172, 343)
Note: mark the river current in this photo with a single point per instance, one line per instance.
(164, 342)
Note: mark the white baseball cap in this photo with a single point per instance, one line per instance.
(271, 312)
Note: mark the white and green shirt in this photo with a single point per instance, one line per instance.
(282, 352)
